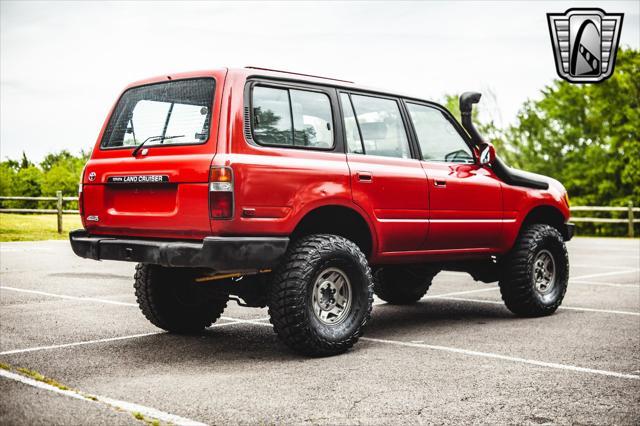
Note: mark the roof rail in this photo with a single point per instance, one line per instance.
(298, 73)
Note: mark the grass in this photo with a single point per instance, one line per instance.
(150, 422)
(34, 227)
(39, 377)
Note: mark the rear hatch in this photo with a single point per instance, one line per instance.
(148, 174)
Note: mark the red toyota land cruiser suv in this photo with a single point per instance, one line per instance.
(308, 195)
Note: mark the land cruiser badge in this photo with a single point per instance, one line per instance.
(585, 42)
(138, 179)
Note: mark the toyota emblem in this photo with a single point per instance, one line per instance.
(92, 176)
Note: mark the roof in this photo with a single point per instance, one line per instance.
(252, 71)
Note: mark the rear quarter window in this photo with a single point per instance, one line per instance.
(291, 118)
(168, 113)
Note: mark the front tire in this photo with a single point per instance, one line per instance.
(321, 295)
(170, 299)
(402, 285)
(536, 272)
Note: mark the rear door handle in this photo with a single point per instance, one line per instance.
(365, 177)
(440, 183)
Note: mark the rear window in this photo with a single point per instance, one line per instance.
(170, 113)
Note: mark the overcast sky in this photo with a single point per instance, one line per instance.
(63, 64)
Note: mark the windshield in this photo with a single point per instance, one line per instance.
(170, 113)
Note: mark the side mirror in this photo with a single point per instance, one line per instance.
(487, 153)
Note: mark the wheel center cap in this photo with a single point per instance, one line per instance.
(544, 274)
(327, 291)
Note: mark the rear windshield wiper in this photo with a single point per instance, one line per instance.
(153, 138)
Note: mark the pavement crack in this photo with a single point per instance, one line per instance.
(356, 402)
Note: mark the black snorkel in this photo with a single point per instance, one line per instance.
(487, 155)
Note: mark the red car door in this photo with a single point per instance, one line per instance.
(385, 180)
(465, 199)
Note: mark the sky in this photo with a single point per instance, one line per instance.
(63, 64)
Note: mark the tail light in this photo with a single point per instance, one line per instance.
(221, 193)
(80, 194)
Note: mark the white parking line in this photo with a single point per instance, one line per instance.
(499, 356)
(231, 321)
(400, 343)
(86, 342)
(259, 321)
(506, 358)
(455, 293)
(453, 273)
(606, 284)
(378, 301)
(572, 280)
(64, 296)
(571, 308)
(605, 274)
(586, 265)
(121, 405)
(444, 296)
(579, 279)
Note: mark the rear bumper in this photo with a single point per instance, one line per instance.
(569, 231)
(222, 254)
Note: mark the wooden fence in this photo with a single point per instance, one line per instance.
(59, 211)
(629, 220)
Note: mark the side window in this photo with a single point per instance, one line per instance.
(381, 127)
(290, 117)
(438, 139)
(272, 116)
(354, 143)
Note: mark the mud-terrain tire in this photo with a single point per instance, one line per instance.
(172, 300)
(320, 296)
(535, 272)
(402, 285)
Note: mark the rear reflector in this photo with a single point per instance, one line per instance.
(221, 193)
(80, 201)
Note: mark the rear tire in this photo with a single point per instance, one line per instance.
(536, 272)
(402, 285)
(173, 301)
(320, 297)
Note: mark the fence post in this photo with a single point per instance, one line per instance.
(59, 208)
(630, 216)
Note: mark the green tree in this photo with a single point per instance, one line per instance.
(63, 175)
(24, 161)
(58, 171)
(586, 136)
(7, 178)
(28, 183)
(52, 159)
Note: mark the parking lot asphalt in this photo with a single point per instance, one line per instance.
(457, 356)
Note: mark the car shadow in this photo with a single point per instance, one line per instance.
(247, 342)
(433, 314)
